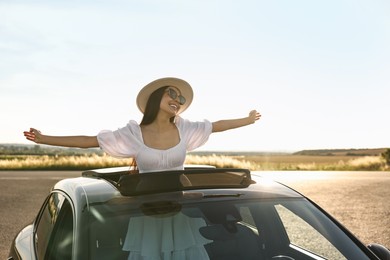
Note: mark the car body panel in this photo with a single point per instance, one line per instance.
(24, 242)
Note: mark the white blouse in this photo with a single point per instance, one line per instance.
(128, 142)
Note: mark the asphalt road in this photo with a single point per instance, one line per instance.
(360, 200)
(21, 196)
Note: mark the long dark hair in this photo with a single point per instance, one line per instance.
(150, 114)
(153, 106)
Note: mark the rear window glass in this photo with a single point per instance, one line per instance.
(214, 228)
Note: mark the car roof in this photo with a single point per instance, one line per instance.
(100, 185)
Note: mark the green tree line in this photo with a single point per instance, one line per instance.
(386, 156)
(44, 150)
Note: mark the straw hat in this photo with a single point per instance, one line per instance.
(183, 86)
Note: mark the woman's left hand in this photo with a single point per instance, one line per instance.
(254, 116)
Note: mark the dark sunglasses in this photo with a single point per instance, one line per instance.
(173, 94)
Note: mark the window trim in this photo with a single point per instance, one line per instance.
(40, 213)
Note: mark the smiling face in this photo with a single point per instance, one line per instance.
(171, 101)
(166, 102)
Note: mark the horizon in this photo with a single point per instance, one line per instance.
(208, 151)
(316, 71)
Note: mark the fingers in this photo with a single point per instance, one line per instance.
(255, 115)
(31, 135)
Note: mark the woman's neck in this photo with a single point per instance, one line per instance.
(160, 125)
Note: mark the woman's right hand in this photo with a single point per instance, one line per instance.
(33, 135)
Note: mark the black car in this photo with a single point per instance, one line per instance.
(197, 213)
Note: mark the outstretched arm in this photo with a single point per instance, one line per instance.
(67, 141)
(223, 125)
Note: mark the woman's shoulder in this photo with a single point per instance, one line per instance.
(133, 126)
(186, 124)
(181, 122)
(133, 123)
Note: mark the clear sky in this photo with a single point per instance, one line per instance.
(318, 71)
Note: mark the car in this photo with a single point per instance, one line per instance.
(230, 214)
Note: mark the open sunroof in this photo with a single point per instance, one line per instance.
(166, 181)
(157, 182)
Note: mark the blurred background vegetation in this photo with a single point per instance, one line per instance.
(41, 157)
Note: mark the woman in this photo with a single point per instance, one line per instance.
(158, 143)
(161, 140)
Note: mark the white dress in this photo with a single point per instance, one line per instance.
(128, 142)
(154, 238)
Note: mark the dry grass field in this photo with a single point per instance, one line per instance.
(315, 162)
(53, 158)
(284, 162)
(287, 162)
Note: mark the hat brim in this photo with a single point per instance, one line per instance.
(183, 86)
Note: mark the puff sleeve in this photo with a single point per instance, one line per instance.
(124, 142)
(195, 134)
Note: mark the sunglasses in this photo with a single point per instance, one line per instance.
(173, 94)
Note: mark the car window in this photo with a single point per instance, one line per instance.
(54, 229)
(215, 229)
(247, 218)
(303, 235)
